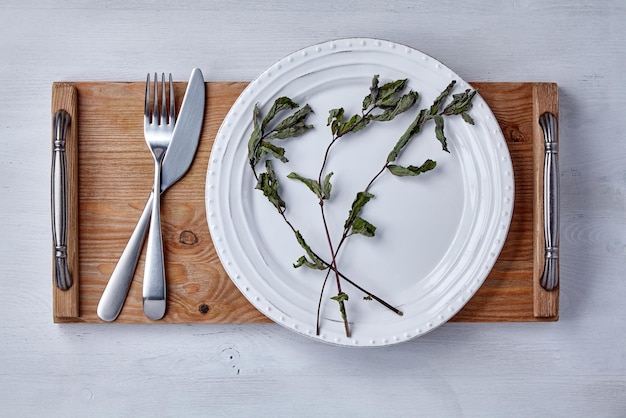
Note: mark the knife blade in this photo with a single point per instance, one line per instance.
(176, 163)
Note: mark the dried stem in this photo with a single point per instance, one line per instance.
(384, 98)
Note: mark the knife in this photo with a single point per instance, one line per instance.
(176, 162)
(62, 277)
(550, 277)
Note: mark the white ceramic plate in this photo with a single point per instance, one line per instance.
(439, 234)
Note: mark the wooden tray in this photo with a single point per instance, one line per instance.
(110, 177)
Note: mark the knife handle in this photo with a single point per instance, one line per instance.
(550, 277)
(62, 276)
(154, 287)
(115, 292)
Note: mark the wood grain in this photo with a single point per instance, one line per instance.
(115, 172)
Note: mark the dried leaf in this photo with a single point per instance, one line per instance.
(461, 103)
(298, 118)
(345, 127)
(335, 114)
(361, 226)
(359, 202)
(354, 124)
(467, 118)
(303, 261)
(341, 298)
(335, 117)
(390, 89)
(268, 183)
(434, 109)
(402, 104)
(371, 98)
(413, 129)
(291, 131)
(412, 170)
(255, 137)
(327, 186)
(313, 260)
(439, 132)
(313, 185)
(267, 148)
(280, 104)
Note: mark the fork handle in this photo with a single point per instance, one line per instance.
(115, 292)
(154, 275)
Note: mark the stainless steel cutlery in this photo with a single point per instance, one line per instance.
(158, 128)
(176, 160)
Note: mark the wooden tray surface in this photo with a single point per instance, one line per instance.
(110, 177)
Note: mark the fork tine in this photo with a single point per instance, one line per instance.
(146, 109)
(155, 104)
(160, 116)
(163, 116)
(172, 102)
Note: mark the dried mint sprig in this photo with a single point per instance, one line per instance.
(382, 104)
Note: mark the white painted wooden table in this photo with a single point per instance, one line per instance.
(574, 367)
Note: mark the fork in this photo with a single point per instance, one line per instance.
(158, 129)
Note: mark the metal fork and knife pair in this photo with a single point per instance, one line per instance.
(173, 142)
